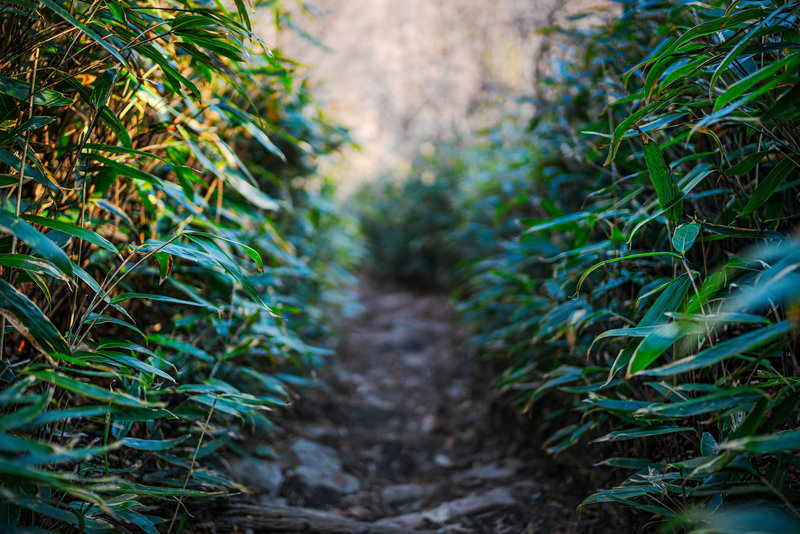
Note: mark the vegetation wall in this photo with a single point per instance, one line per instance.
(629, 254)
(168, 257)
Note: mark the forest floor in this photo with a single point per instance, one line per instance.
(402, 436)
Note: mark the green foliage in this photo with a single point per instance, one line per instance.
(405, 222)
(632, 258)
(169, 259)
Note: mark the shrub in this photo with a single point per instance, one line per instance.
(406, 222)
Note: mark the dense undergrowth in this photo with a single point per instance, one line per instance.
(169, 259)
(631, 255)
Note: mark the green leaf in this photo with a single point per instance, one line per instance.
(766, 74)
(89, 390)
(623, 258)
(41, 97)
(654, 344)
(128, 361)
(787, 101)
(86, 30)
(31, 171)
(102, 89)
(788, 440)
(8, 137)
(741, 398)
(636, 433)
(708, 445)
(172, 76)
(566, 222)
(250, 250)
(684, 236)
(165, 263)
(666, 190)
(768, 185)
(713, 26)
(230, 266)
(113, 209)
(96, 319)
(667, 302)
(122, 297)
(152, 444)
(242, 8)
(746, 233)
(73, 230)
(722, 351)
(26, 233)
(624, 126)
(747, 164)
(25, 415)
(625, 494)
(30, 322)
(124, 169)
(78, 412)
(32, 264)
(181, 346)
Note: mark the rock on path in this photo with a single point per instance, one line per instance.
(400, 438)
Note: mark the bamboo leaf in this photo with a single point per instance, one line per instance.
(73, 230)
(41, 97)
(226, 262)
(88, 390)
(739, 398)
(666, 190)
(654, 344)
(768, 185)
(722, 351)
(26, 233)
(63, 13)
(765, 75)
(32, 264)
(102, 89)
(122, 297)
(779, 442)
(636, 433)
(624, 126)
(152, 444)
(624, 258)
(29, 321)
(249, 250)
(684, 236)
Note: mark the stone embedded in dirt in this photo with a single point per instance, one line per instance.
(453, 509)
(501, 470)
(309, 452)
(266, 477)
(401, 493)
(321, 467)
(442, 460)
(458, 389)
(322, 431)
(428, 423)
(316, 476)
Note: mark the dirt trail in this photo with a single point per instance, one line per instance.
(401, 439)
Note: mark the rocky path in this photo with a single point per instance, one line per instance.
(401, 439)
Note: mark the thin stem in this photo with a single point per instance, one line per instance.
(22, 168)
(191, 465)
(94, 301)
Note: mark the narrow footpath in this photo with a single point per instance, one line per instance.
(402, 438)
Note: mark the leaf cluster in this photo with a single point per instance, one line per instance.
(631, 255)
(167, 265)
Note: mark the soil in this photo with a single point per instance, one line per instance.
(404, 433)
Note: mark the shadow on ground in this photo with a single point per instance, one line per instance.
(401, 438)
